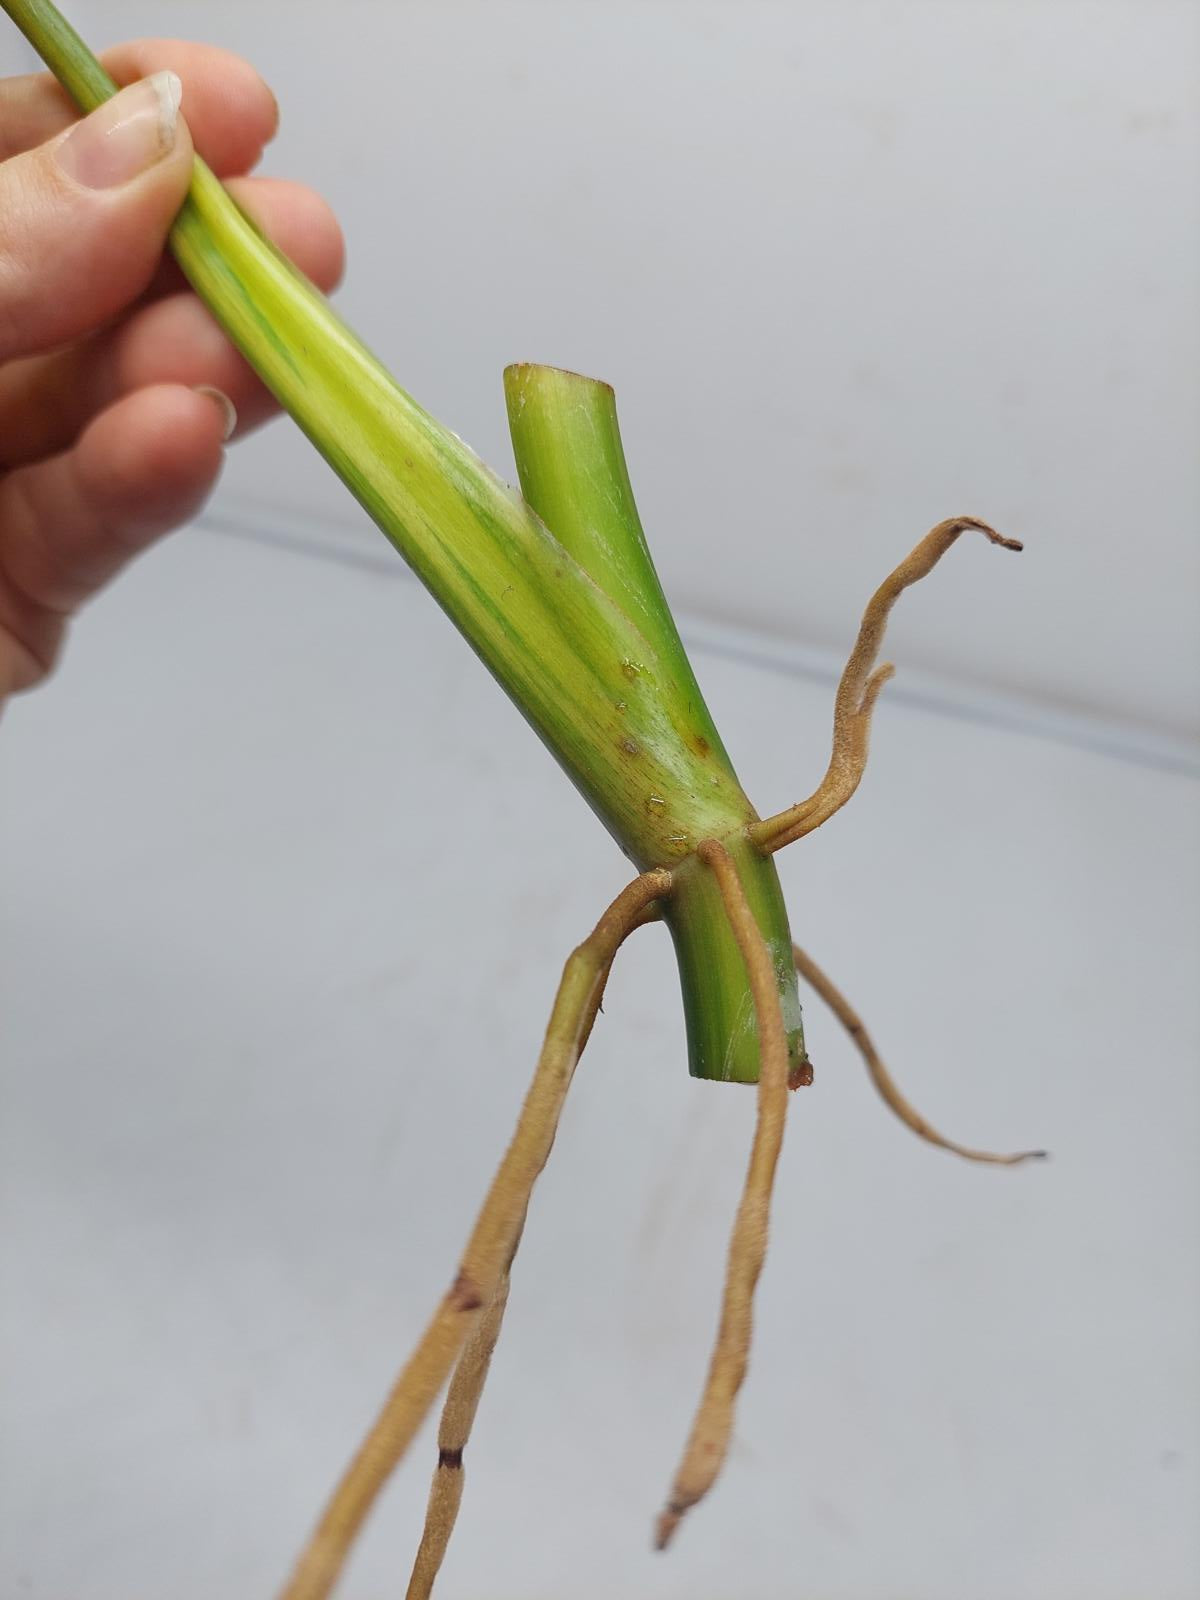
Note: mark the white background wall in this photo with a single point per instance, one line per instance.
(287, 889)
(286, 885)
(852, 267)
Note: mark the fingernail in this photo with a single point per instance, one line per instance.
(126, 135)
(275, 105)
(224, 405)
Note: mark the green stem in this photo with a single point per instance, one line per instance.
(63, 51)
(568, 450)
(722, 1025)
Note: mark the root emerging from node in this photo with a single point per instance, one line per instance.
(709, 1438)
(470, 1375)
(889, 1091)
(489, 1250)
(461, 1337)
(859, 689)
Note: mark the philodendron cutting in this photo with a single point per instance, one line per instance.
(555, 590)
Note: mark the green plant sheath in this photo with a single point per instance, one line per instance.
(568, 450)
(575, 627)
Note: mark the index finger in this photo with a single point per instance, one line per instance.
(229, 109)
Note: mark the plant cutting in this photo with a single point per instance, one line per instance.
(555, 589)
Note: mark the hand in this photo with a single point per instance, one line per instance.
(117, 389)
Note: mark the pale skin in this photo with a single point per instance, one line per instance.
(110, 432)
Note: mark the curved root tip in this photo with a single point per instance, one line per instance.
(987, 1158)
(885, 1084)
(983, 1158)
(664, 1528)
(977, 523)
(859, 689)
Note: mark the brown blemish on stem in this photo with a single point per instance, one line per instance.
(801, 1075)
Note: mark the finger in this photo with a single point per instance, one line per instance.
(45, 401)
(86, 215)
(144, 466)
(231, 112)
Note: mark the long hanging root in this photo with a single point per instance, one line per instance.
(466, 1385)
(709, 1438)
(859, 689)
(889, 1093)
(489, 1249)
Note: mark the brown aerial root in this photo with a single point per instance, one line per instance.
(458, 1414)
(859, 689)
(470, 1375)
(489, 1249)
(889, 1093)
(709, 1438)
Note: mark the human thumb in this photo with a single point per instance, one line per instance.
(85, 216)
